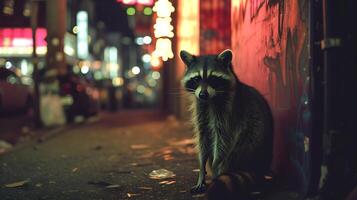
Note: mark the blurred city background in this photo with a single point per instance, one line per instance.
(91, 101)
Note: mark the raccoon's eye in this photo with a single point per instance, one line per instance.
(193, 83)
(218, 83)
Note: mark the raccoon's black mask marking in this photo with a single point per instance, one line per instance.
(208, 76)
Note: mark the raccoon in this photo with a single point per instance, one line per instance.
(233, 125)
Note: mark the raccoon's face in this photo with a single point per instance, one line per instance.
(208, 76)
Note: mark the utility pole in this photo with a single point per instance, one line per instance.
(36, 99)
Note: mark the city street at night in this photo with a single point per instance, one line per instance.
(178, 100)
(106, 158)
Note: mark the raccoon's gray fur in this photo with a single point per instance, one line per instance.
(232, 121)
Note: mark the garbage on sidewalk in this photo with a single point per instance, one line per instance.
(161, 174)
(4, 146)
(52, 112)
(17, 184)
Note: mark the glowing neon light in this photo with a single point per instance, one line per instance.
(163, 49)
(163, 29)
(132, 2)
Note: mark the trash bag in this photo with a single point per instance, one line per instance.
(52, 112)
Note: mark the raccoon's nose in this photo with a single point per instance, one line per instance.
(203, 95)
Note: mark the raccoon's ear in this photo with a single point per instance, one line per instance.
(186, 57)
(225, 56)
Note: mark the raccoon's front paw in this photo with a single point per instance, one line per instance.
(198, 189)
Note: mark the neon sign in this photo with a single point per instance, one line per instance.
(163, 29)
(18, 41)
(132, 2)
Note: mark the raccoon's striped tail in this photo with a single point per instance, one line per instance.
(236, 186)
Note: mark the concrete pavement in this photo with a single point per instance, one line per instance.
(107, 159)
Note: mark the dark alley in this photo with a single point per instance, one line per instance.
(178, 99)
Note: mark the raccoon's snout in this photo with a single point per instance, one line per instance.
(203, 95)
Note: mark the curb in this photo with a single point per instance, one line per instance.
(46, 134)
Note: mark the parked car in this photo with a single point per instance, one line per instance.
(14, 96)
(78, 96)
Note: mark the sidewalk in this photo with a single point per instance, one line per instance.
(126, 155)
(108, 159)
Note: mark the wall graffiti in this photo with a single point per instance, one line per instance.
(271, 54)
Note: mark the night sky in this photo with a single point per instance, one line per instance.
(113, 15)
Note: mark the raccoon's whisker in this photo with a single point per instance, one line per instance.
(184, 90)
(181, 93)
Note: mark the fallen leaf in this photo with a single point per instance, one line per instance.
(113, 186)
(163, 182)
(132, 194)
(134, 164)
(168, 157)
(17, 184)
(184, 142)
(139, 146)
(145, 188)
(170, 182)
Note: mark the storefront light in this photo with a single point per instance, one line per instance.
(163, 49)
(163, 8)
(24, 67)
(155, 75)
(135, 70)
(130, 11)
(76, 69)
(152, 83)
(8, 64)
(69, 50)
(118, 81)
(75, 29)
(147, 40)
(139, 40)
(163, 29)
(147, 11)
(146, 58)
(140, 89)
(85, 69)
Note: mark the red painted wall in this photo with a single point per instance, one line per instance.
(270, 44)
(215, 26)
